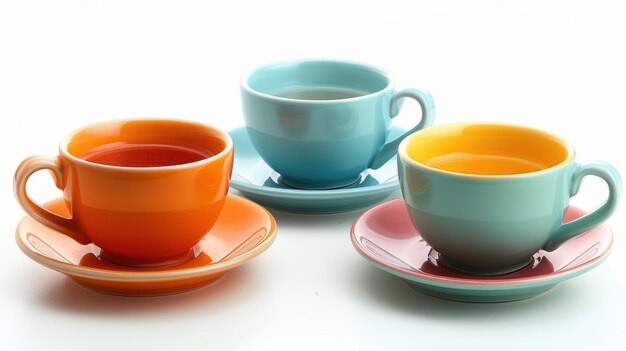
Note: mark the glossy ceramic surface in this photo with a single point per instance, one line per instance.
(242, 231)
(131, 212)
(386, 237)
(257, 181)
(492, 224)
(325, 144)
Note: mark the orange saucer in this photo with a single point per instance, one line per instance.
(243, 231)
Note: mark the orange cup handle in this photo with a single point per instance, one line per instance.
(42, 215)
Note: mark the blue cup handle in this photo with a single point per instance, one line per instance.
(569, 230)
(427, 104)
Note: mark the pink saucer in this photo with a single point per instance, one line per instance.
(385, 236)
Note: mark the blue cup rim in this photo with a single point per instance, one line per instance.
(246, 77)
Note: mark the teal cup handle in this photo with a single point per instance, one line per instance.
(609, 174)
(427, 104)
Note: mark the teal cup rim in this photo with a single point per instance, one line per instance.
(405, 158)
(378, 70)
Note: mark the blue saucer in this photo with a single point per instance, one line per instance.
(258, 182)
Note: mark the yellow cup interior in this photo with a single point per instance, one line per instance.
(486, 149)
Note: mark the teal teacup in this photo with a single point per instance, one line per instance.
(320, 123)
(488, 196)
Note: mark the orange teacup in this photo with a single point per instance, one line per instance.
(145, 191)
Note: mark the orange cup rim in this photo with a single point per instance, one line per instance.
(219, 133)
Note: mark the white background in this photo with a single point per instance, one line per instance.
(556, 65)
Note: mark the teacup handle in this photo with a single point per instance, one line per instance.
(29, 166)
(427, 104)
(578, 226)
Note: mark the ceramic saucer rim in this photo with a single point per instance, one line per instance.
(165, 274)
(466, 283)
(549, 280)
(388, 185)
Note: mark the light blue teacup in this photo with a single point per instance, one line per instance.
(321, 123)
(488, 196)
